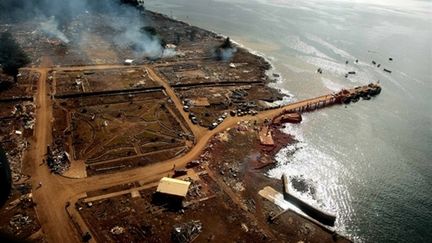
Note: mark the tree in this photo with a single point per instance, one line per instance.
(5, 177)
(227, 44)
(12, 56)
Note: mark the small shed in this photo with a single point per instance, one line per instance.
(173, 187)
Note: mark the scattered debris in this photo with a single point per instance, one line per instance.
(19, 221)
(179, 172)
(15, 127)
(244, 227)
(192, 164)
(186, 232)
(57, 159)
(117, 230)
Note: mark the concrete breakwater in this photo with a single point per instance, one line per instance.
(315, 213)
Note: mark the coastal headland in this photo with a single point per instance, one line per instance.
(94, 123)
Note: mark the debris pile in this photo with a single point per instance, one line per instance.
(194, 189)
(58, 160)
(117, 230)
(186, 232)
(19, 221)
(192, 164)
(15, 156)
(24, 114)
(13, 131)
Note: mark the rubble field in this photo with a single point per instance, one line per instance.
(96, 45)
(113, 79)
(140, 218)
(16, 129)
(18, 216)
(222, 202)
(209, 106)
(100, 133)
(116, 132)
(243, 67)
(240, 162)
(24, 88)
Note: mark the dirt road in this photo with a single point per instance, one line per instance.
(49, 197)
(197, 131)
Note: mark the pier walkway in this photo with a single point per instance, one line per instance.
(345, 96)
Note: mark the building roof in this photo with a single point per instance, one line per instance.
(173, 187)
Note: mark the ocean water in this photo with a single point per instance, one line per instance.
(370, 162)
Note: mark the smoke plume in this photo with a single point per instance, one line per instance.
(226, 51)
(51, 28)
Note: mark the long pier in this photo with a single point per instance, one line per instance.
(345, 96)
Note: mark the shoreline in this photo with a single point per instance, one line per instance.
(84, 123)
(277, 81)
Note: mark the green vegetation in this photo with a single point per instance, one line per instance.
(12, 56)
(5, 177)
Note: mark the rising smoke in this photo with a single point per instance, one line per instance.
(51, 28)
(54, 16)
(226, 51)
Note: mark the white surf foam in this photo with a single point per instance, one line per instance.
(332, 85)
(329, 46)
(308, 161)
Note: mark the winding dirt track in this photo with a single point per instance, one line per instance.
(56, 191)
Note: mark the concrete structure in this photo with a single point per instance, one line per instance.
(316, 213)
(173, 187)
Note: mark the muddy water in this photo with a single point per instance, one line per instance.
(370, 162)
